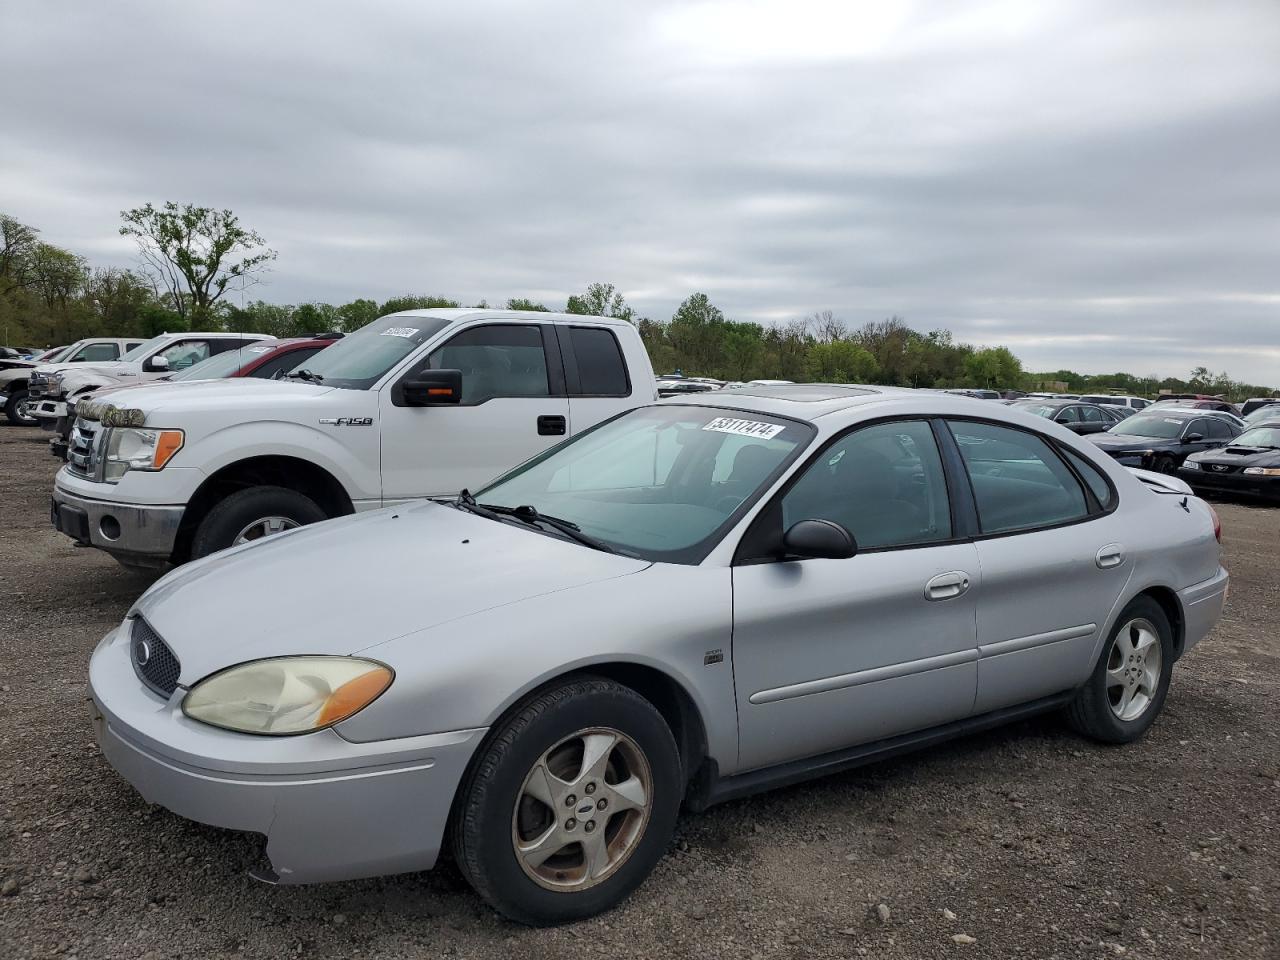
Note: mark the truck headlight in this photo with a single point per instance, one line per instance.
(287, 695)
(137, 448)
(1263, 471)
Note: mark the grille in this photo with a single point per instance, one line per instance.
(153, 661)
(82, 447)
(1220, 468)
(35, 386)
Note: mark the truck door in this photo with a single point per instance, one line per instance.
(513, 407)
(596, 375)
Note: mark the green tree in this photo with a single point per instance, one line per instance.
(522, 303)
(196, 253)
(411, 301)
(993, 367)
(600, 300)
(309, 318)
(840, 361)
(356, 314)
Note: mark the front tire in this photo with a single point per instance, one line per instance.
(15, 409)
(252, 514)
(1130, 682)
(570, 804)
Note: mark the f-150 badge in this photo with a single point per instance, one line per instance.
(348, 421)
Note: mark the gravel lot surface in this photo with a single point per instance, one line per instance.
(1024, 842)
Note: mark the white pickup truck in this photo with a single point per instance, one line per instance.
(416, 404)
(51, 385)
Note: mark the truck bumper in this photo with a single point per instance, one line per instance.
(47, 412)
(140, 534)
(330, 809)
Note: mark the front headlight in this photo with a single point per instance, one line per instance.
(287, 695)
(1190, 465)
(1263, 471)
(136, 448)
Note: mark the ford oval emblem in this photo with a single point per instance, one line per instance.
(141, 652)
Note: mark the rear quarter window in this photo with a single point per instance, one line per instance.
(601, 370)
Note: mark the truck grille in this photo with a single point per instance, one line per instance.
(153, 661)
(82, 448)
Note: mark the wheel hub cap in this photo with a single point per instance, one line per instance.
(600, 779)
(266, 527)
(1133, 669)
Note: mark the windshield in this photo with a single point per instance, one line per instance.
(1035, 408)
(1268, 436)
(361, 359)
(1150, 425)
(142, 349)
(58, 354)
(220, 364)
(1269, 412)
(662, 483)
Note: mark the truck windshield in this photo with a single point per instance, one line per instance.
(142, 349)
(663, 482)
(360, 360)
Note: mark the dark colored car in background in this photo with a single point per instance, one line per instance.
(1160, 440)
(1249, 465)
(1082, 418)
(1257, 403)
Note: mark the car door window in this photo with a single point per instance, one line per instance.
(601, 369)
(502, 360)
(1220, 430)
(1018, 482)
(96, 352)
(1200, 427)
(1068, 415)
(1093, 478)
(1091, 415)
(883, 483)
(185, 353)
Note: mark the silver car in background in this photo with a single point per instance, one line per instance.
(691, 602)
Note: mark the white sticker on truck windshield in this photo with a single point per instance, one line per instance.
(409, 332)
(745, 428)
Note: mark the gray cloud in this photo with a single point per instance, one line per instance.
(1092, 183)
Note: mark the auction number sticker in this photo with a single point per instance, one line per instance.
(745, 428)
(407, 332)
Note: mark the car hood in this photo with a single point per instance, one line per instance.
(167, 398)
(106, 366)
(344, 585)
(1119, 443)
(1238, 456)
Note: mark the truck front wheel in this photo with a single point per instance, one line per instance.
(252, 514)
(16, 410)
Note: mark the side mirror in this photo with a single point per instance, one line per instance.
(430, 388)
(819, 539)
(158, 364)
(1193, 438)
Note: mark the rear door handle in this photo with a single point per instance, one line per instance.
(946, 585)
(1112, 555)
(552, 426)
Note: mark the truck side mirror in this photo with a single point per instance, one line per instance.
(429, 388)
(158, 364)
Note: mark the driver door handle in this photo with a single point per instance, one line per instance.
(945, 586)
(552, 426)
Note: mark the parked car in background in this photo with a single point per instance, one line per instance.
(703, 598)
(415, 404)
(266, 359)
(15, 375)
(1261, 415)
(1198, 402)
(1105, 399)
(977, 393)
(1257, 403)
(1118, 413)
(1212, 412)
(1159, 440)
(1248, 466)
(51, 385)
(1077, 417)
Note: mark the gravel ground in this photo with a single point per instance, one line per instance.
(1023, 842)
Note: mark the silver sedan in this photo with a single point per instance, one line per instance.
(691, 602)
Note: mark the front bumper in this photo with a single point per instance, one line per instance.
(47, 411)
(141, 533)
(1241, 484)
(329, 808)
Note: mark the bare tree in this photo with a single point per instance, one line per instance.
(17, 243)
(196, 253)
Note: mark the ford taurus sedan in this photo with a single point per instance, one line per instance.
(694, 601)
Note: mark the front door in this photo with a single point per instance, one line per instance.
(832, 653)
(507, 415)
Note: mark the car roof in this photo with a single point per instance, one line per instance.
(458, 315)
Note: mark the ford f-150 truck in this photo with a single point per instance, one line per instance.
(416, 404)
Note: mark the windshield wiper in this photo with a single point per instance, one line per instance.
(306, 375)
(527, 513)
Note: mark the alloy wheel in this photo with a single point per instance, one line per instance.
(582, 809)
(1133, 669)
(265, 527)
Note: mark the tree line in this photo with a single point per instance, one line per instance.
(192, 257)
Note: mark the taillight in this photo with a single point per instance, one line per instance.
(1217, 523)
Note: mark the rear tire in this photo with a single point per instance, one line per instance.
(252, 514)
(15, 409)
(1126, 692)
(507, 813)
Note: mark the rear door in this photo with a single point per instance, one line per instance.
(596, 375)
(1052, 556)
(513, 407)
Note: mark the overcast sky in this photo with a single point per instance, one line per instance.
(1095, 184)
